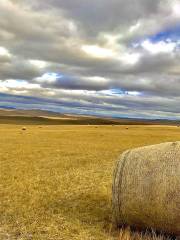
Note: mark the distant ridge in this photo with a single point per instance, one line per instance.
(35, 113)
(16, 116)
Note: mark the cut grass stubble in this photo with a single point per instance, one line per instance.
(56, 180)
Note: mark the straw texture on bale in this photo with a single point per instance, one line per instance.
(146, 188)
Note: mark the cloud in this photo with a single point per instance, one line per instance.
(110, 57)
(160, 47)
(96, 51)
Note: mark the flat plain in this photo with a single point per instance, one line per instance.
(55, 181)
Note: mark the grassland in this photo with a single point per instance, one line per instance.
(55, 181)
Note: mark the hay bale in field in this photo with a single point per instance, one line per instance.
(24, 128)
(146, 188)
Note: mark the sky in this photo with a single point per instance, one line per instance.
(109, 58)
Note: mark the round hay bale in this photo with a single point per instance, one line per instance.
(24, 128)
(146, 188)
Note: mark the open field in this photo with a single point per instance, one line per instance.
(55, 181)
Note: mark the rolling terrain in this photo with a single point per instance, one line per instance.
(34, 117)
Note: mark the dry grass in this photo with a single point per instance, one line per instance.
(127, 234)
(55, 181)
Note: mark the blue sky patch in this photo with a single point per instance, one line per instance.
(172, 34)
(169, 35)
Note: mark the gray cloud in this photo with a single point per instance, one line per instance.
(18, 69)
(91, 48)
(103, 15)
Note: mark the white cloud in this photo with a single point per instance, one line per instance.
(133, 93)
(130, 58)
(159, 47)
(97, 79)
(4, 52)
(97, 52)
(39, 63)
(47, 78)
(16, 84)
(135, 27)
(176, 8)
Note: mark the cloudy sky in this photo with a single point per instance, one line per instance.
(111, 58)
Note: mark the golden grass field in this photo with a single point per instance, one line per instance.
(55, 181)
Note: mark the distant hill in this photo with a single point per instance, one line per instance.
(33, 117)
(31, 113)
